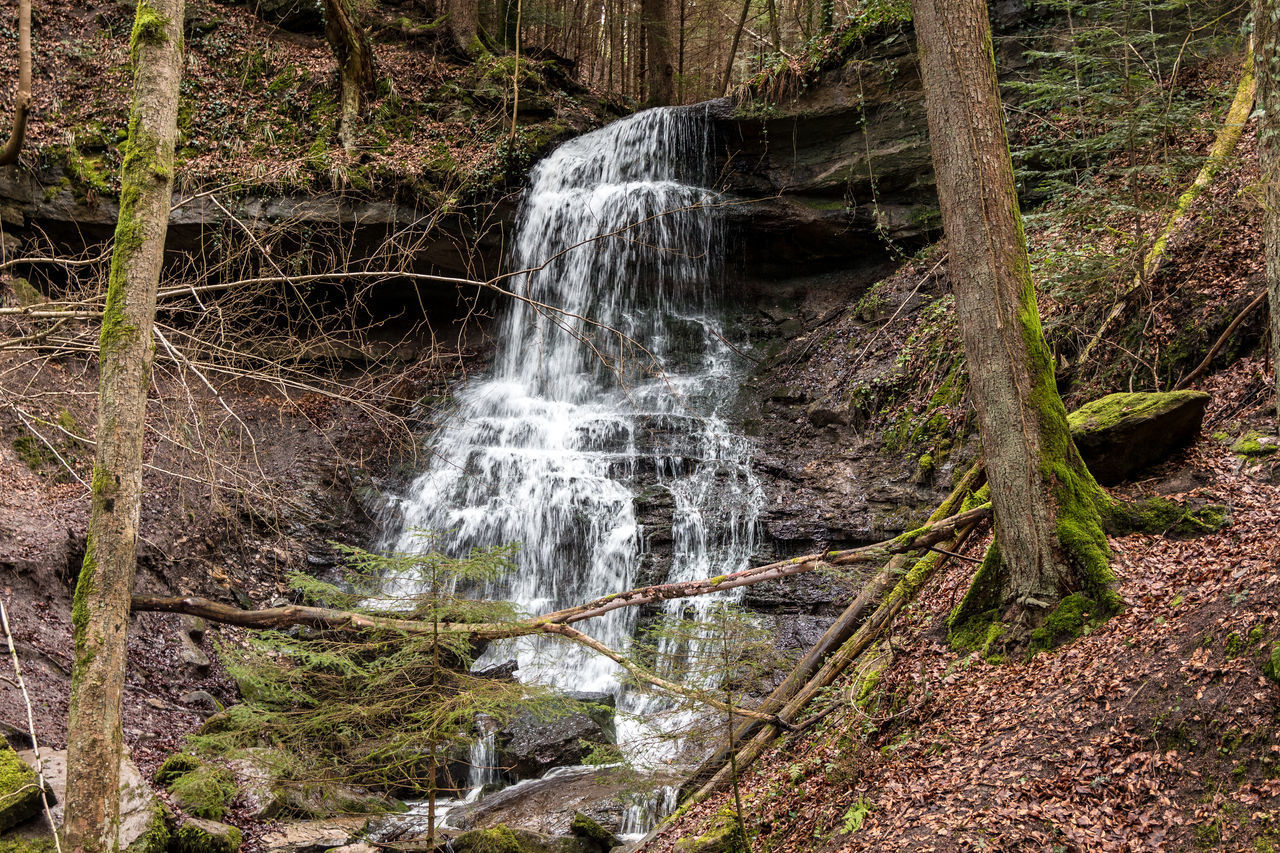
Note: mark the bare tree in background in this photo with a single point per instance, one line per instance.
(350, 45)
(22, 99)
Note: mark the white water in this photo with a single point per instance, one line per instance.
(617, 378)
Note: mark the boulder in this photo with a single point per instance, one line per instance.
(142, 815)
(19, 790)
(530, 746)
(1122, 434)
(193, 835)
(313, 836)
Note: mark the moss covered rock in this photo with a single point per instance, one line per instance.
(204, 792)
(498, 839)
(586, 828)
(1121, 434)
(725, 835)
(19, 789)
(194, 835)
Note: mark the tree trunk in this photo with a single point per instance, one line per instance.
(22, 98)
(659, 69)
(1266, 57)
(733, 47)
(350, 46)
(100, 613)
(1044, 501)
(464, 24)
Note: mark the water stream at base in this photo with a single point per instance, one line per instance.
(612, 379)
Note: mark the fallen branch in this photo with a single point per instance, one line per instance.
(813, 668)
(330, 619)
(1223, 144)
(1222, 340)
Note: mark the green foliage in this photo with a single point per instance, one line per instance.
(205, 791)
(499, 839)
(384, 707)
(855, 815)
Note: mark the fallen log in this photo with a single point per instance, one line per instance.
(902, 594)
(837, 634)
(329, 619)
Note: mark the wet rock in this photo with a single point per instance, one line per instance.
(530, 746)
(193, 657)
(547, 806)
(1121, 434)
(584, 827)
(201, 700)
(313, 836)
(504, 671)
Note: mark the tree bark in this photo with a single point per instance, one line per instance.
(1266, 57)
(659, 68)
(464, 24)
(100, 611)
(350, 45)
(22, 98)
(733, 47)
(1045, 502)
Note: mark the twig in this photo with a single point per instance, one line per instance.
(31, 726)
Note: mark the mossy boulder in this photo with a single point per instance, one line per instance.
(194, 835)
(19, 789)
(1121, 434)
(498, 839)
(1255, 445)
(204, 792)
(725, 835)
(587, 829)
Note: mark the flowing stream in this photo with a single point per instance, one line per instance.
(610, 381)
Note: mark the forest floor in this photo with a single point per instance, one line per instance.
(1156, 731)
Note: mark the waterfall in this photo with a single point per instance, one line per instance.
(611, 376)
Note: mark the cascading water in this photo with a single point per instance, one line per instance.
(611, 376)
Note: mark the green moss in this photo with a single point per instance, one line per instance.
(156, 838)
(499, 839)
(27, 845)
(178, 764)
(201, 836)
(1271, 665)
(584, 827)
(1162, 517)
(205, 792)
(1254, 445)
(1108, 411)
(725, 835)
(19, 789)
(85, 589)
(149, 27)
(1235, 646)
(32, 452)
(1073, 616)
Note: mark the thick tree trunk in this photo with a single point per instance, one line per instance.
(659, 69)
(350, 46)
(1045, 502)
(22, 98)
(100, 613)
(1266, 57)
(464, 24)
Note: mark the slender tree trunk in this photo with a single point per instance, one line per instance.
(660, 70)
(1266, 57)
(22, 99)
(464, 24)
(733, 47)
(1045, 503)
(100, 613)
(350, 45)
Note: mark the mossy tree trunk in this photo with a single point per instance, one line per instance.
(464, 24)
(100, 611)
(659, 69)
(1266, 58)
(350, 45)
(1045, 503)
